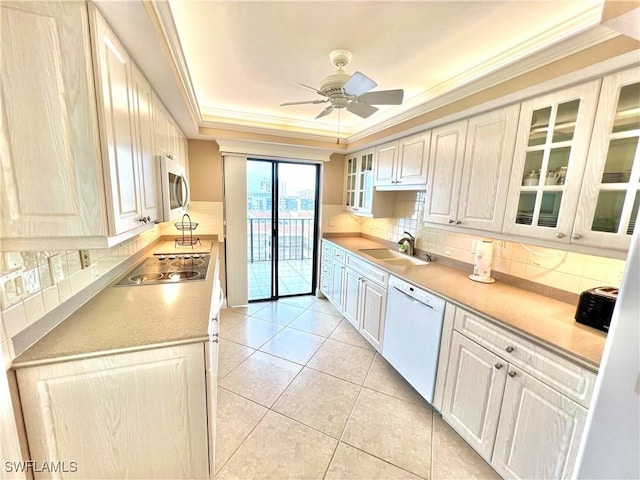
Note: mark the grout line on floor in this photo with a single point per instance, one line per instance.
(244, 360)
(215, 473)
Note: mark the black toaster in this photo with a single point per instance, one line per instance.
(595, 307)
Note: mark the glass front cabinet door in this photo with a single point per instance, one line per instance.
(610, 196)
(550, 154)
(359, 183)
(351, 177)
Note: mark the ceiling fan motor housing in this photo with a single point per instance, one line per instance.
(332, 84)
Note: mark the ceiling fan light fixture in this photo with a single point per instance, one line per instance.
(339, 101)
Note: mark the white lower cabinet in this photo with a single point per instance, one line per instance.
(539, 431)
(522, 425)
(333, 274)
(357, 289)
(373, 302)
(131, 415)
(352, 280)
(337, 285)
(473, 393)
(364, 299)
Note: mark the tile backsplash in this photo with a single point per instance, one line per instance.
(34, 283)
(568, 271)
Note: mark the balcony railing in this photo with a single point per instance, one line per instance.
(295, 237)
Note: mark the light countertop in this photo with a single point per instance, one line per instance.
(122, 318)
(536, 316)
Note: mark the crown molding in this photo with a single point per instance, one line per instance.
(271, 150)
(214, 129)
(573, 36)
(159, 12)
(480, 78)
(238, 119)
(624, 61)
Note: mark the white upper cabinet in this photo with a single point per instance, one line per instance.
(402, 165)
(413, 156)
(147, 162)
(486, 167)
(385, 170)
(610, 196)
(359, 196)
(550, 154)
(445, 170)
(469, 170)
(125, 119)
(51, 179)
(169, 139)
(160, 127)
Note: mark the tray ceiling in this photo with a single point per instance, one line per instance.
(245, 58)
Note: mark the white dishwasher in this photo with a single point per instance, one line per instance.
(412, 331)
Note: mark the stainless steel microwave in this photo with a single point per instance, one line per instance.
(174, 189)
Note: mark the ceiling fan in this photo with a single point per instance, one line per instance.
(342, 90)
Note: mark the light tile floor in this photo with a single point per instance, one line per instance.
(302, 395)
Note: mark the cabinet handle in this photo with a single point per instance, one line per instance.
(498, 366)
(576, 236)
(214, 338)
(458, 222)
(450, 221)
(512, 374)
(143, 220)
(559, 235)
(509, 349)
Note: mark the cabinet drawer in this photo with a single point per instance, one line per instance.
(366, 269)
(339, 255)
(554, 370)
(326, 269)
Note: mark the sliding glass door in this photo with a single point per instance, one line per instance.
(282, 206)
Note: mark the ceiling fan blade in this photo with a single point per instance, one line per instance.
(325, 112)
(302, 103)
(358, 84)
(311, 88)
(382, 97)
(361, 109)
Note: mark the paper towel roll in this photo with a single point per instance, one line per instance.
(482, 263)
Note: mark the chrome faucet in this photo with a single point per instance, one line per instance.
(410, 243)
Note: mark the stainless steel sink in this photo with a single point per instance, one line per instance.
(392, 257)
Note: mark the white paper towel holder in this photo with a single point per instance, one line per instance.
(482, 264)
(478, 278)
